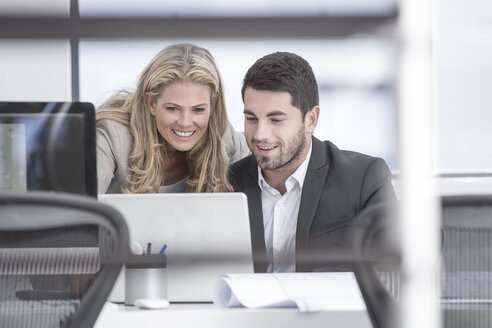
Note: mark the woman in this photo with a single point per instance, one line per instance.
(172, 134)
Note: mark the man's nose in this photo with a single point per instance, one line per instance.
(262, 131)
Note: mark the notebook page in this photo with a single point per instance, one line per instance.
(250, 290)
(307, 291)
(323, 291)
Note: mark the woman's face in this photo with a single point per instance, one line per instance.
(181, 112)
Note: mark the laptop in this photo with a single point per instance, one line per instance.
(207, 234)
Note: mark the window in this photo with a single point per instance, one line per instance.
(356, 95)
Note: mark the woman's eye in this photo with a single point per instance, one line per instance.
(170, 108)
(199, 109)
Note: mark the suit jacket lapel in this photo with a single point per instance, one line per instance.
(311, 192)
(253, 192)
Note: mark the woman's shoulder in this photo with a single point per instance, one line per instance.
(116, 133)
(235, 143)
(112, 127)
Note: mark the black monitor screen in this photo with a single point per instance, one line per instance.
(48, 146)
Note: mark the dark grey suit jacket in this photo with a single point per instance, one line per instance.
(337, 186)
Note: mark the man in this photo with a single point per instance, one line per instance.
(302, 192)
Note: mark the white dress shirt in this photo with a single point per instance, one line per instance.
(280, 218)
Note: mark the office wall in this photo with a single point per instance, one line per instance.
(35, 70)
(35, 7)
(463, 52)
(356, 99)
(356, 114)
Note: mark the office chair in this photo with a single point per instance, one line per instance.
(376, 260)
(466, 267)
(60, 255)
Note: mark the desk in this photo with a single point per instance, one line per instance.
(210, 315)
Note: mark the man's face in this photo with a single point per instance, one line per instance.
(276, 133)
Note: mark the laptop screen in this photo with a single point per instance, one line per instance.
(48, 146)
(206, 235)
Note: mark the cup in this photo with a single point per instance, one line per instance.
(145, 277)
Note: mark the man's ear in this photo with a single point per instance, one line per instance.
(150, 103)
(311, 119)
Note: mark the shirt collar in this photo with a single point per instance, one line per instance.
(299, 174)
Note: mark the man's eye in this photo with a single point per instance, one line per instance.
(276, 120)
(250, 118)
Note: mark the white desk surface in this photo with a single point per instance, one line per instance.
(210, 315)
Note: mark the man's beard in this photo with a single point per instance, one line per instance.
(289, 154)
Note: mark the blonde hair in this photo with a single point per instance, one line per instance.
(207, 160)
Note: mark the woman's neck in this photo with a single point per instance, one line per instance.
(175, 167)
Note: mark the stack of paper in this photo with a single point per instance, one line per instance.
(323, 291)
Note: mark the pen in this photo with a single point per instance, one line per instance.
(149, 247)
(163, 249)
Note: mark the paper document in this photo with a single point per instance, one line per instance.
(313, 291)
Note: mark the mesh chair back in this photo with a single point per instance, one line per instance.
(377, 262)
(60, 255)
(466, 263)
(466, 266)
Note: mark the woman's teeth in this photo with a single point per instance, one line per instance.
(183, 134)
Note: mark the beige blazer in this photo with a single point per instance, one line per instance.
(114, 144)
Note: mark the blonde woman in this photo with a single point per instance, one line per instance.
(172, 134)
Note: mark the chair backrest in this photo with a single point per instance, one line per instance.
(60, 255)
(466, 268)
(466, 262)
(376, 262)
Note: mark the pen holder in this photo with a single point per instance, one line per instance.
(145, 277)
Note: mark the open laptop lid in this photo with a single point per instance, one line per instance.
(207, 234)
(48, 146)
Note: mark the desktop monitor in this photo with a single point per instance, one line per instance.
(48, 146)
